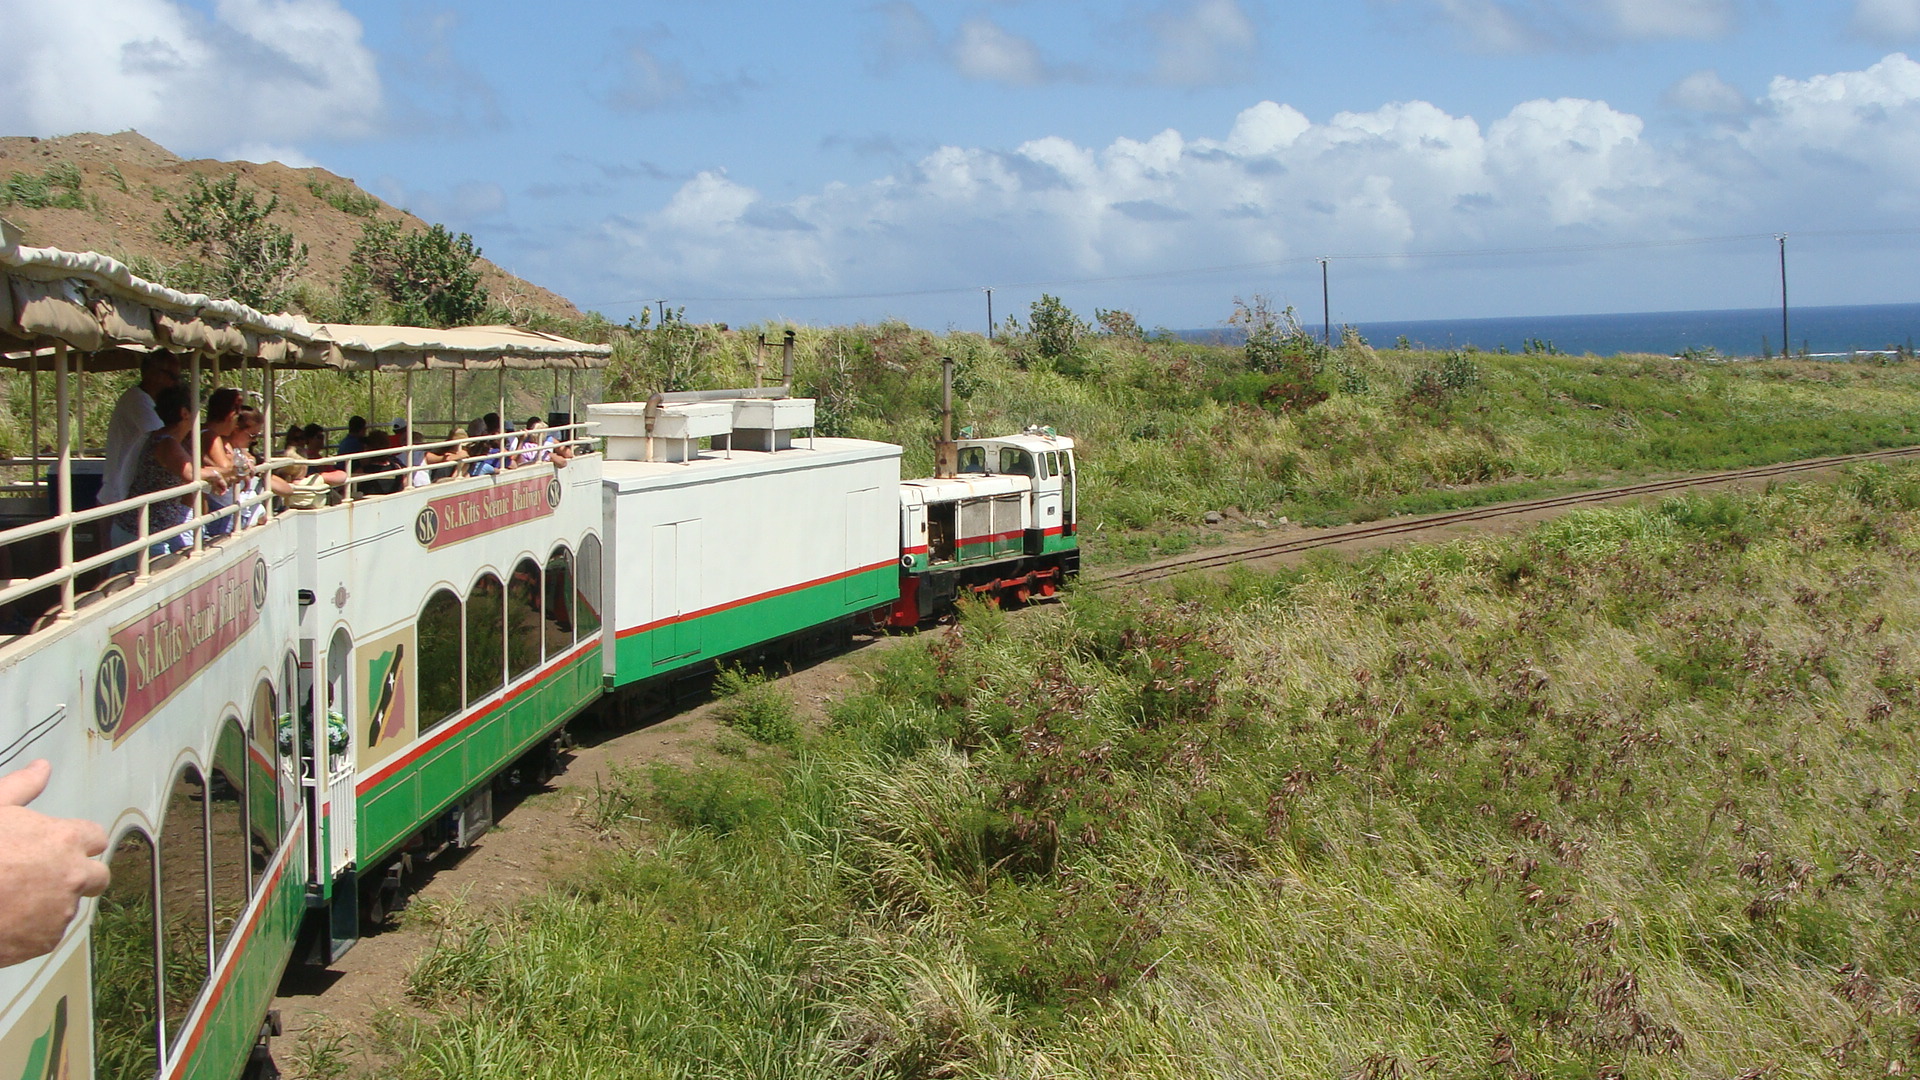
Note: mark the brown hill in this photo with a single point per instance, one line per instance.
(128, 180)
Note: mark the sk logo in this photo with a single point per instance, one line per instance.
(110, 690)
(553, 493)
(426, 527)
(260, 584)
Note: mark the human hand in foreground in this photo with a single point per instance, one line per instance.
(46, 866)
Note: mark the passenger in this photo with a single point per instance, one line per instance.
(306, 480)
(166, 464)
(407, 457)
(216, 450)
(529, 451)
(246, 462)
(370, 466)
(481, 453)
(134, 419)
(355, 440)
(313, 446)
(452, 460)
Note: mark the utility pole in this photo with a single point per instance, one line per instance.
(1786, 343)
(663, 312)
(989, 292)
(1326, 309)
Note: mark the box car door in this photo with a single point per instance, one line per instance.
(676, 590)
(858, 586)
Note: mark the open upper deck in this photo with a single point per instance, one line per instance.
(66, 314)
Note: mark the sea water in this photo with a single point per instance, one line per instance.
(1745, 332)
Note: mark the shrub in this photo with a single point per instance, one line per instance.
(347, 200)
(235, 251)
(418, 279)
(755, 707)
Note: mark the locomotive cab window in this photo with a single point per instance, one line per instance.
(973, 459)
(1015, 460)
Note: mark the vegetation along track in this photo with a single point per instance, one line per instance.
(1209, 560)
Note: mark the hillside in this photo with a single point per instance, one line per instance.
(127, 182)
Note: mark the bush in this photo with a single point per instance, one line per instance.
(755, 707)
(415, 279)
(719, 800)
(236, 253)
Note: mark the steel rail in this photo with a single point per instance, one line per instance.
(1212, 560)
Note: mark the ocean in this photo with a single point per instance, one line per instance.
(1822, 331)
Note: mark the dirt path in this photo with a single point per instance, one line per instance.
(329, 1016)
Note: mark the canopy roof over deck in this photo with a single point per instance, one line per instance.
(92, 303)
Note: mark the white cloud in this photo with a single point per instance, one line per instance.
(256, 70)
(984, 50)
(1887, 20)
(1505, 26)
(1698, 20)
(458, 206)
(1206, 43)
(265, 152)
(1841, 149)
(1706, 92)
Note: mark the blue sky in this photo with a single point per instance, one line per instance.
(854, 161)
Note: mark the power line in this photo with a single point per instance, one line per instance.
(1273, 264)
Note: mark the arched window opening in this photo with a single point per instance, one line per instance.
(486, 630)
(227, 819)
(587, 588)
(337, 731)
(186, 928)
(559, 625)
(126, 983)
(441, 681)
(263, 780)
(524, 618)
(296, 696)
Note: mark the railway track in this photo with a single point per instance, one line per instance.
(1347, 534)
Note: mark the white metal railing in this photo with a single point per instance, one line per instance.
(572, 437)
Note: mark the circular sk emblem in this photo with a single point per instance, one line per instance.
(260, 584)
(426, 527)
(110, 690)
(553, 493)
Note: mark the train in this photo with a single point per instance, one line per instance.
(273, 723)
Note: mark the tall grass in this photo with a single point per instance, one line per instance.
(1630, 794)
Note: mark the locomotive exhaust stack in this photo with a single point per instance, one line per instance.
(946, 457)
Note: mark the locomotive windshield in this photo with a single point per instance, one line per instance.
(973, 459)
(1015, 460)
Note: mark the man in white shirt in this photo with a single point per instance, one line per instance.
(133, 420)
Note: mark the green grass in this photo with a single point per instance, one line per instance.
(57, 186)
(1629, 794)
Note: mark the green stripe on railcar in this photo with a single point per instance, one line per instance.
(675, 645)
(233, 1022)
(417, 793)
